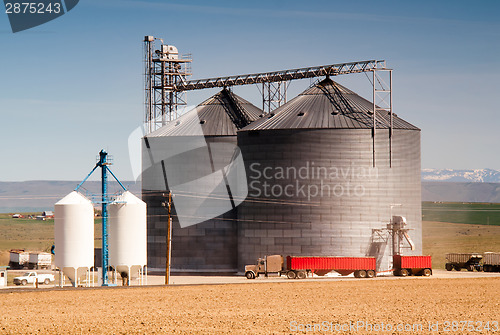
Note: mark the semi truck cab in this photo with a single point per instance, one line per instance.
(266, 265)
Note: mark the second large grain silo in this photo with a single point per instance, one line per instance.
(192, 157)
(319, 180)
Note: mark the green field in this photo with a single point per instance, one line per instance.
(469, 213)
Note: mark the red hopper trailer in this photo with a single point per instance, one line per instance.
(361, 266)
(412, 265)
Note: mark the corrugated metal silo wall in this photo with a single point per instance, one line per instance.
(207, 246)
(336, 221)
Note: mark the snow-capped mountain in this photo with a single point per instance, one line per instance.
(470, 176)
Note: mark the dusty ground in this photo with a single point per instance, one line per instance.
(260, 308)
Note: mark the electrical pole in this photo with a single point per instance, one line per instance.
(169, 238)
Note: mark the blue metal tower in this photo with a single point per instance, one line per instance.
(103, 155)
(103, 164)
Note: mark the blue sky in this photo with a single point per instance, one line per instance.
(74, 85)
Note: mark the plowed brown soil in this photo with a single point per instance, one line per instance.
(258, 308)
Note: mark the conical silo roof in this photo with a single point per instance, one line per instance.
(220, 115)
(74, 198)
(327, 105)
(128, 197)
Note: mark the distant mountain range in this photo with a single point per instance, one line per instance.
(450, 175)
(449, 185)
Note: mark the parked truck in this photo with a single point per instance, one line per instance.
(459, 261)
(491, 262)
(39, 260)
(412, 265)
(300, 267)
(362, 267)
(31, 277)
(18, 259)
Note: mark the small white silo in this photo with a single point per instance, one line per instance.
(127, 236)
(74, 236)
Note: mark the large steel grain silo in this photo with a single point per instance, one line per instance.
(74, 236)
(192, 156)
(319, 181)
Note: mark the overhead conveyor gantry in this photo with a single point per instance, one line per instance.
(280, 76)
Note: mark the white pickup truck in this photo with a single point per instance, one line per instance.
(30, 277)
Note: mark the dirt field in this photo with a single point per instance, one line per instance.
(259, 308)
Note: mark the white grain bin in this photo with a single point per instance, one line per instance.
(127, 235)
(74, 236)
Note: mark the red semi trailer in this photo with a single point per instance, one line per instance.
(412, 265)
(361, 266)
(300, 267)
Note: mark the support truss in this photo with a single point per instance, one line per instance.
(382, 103)
(273, 95)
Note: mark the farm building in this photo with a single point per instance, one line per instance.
(3, 276)
(48, 214)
